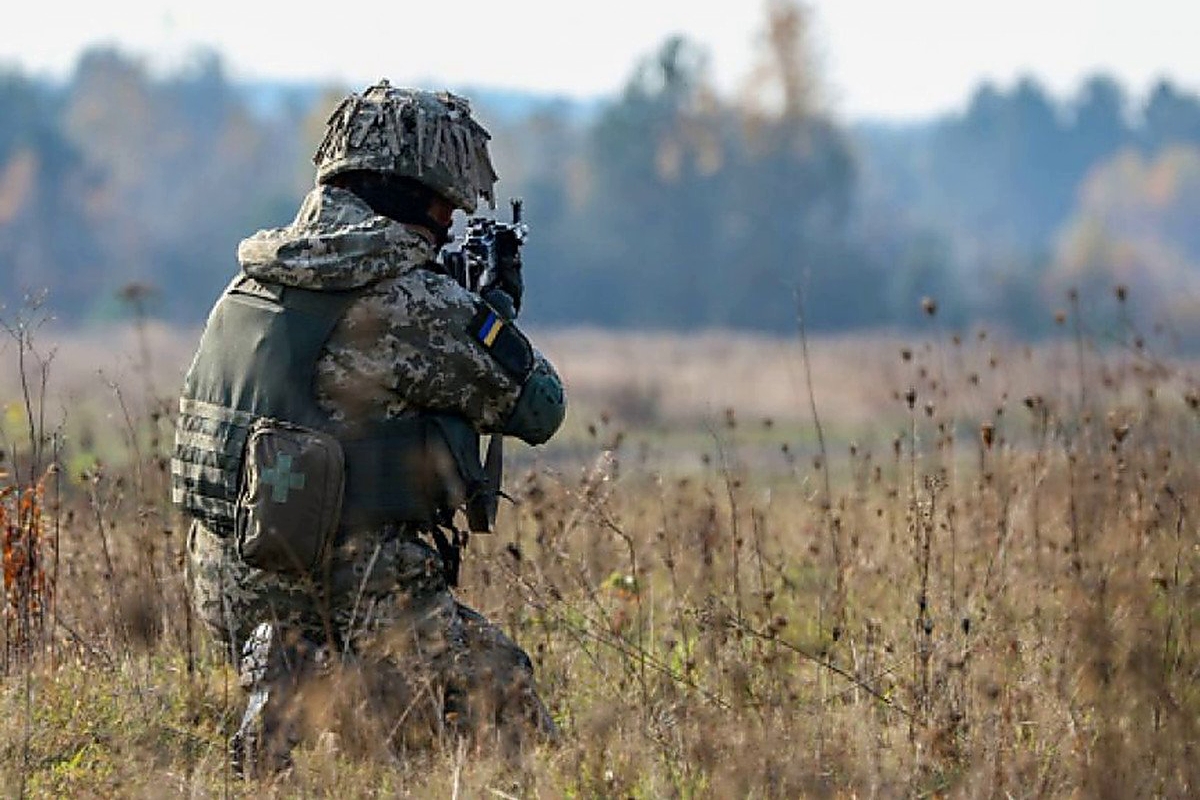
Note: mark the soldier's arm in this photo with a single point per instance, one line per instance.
(459, 354)
(540, 406)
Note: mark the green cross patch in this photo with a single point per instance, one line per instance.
(281, 479)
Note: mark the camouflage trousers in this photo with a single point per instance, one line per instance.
(382, 614)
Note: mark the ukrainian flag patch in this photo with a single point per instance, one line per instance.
(490, 329)
(502, 340)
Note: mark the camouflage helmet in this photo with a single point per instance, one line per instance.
(427, 136)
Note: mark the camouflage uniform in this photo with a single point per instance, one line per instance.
(403, 347)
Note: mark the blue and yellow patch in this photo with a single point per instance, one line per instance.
(490, 329)
(502, 339)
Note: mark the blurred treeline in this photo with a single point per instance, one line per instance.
(668, 206)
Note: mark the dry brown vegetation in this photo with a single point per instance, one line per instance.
(981, 579)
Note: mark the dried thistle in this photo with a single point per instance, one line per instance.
(987, 434)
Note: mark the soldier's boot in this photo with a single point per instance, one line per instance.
(270, 672)
(502, 685)
(540, 718)
(522, 703)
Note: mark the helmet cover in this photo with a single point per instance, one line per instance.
(427, 136)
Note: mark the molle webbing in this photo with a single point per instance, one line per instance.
(209, 443)
(257, 359)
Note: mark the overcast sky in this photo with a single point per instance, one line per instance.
(880, 58)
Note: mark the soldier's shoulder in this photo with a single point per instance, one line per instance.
(428, 289)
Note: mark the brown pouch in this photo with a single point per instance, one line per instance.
(290, 502)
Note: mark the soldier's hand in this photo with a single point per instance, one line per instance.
(508, 266)
(500, 300)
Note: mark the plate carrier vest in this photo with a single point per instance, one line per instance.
(257, 359)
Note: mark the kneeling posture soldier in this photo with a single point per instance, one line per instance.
(329, 430)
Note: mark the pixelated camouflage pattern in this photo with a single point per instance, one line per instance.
(385, 599)
(416, 134)
(354, 601)
(404, 345)
(335, 242)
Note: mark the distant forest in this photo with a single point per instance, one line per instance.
(668, 206)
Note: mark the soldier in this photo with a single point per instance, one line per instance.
(329, 430)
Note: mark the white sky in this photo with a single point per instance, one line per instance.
(880, 58)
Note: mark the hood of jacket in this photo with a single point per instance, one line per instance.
(336, 242)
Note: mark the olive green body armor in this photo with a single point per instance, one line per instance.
(256, 360)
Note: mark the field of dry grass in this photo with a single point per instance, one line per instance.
(978, 575)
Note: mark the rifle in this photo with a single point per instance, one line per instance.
(488, 248)
(476, 264)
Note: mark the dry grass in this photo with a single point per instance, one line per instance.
(988, 586)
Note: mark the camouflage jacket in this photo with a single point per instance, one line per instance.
(406, 344)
